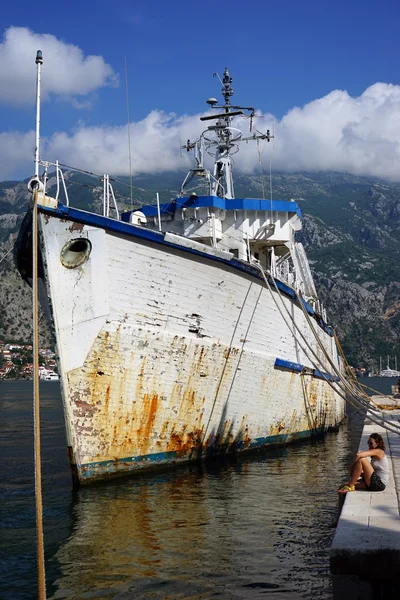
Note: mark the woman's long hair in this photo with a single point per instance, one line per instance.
(379, 440)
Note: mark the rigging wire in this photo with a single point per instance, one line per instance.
(261, 169)
(6, 254)
(129, 134)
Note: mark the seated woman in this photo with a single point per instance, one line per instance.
(372, 475)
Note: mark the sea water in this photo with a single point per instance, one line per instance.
(253, 526)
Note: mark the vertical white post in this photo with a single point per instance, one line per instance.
(213, 232)
(158, 211)
(104, 194)
(58, 179)
(108, 196)
(39, 62)
(273, 263)
(248, 248)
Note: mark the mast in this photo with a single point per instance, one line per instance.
(39, 62)
(223, 162)
(220, 141)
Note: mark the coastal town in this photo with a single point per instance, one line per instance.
(16, 362)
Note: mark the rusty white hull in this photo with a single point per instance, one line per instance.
(167, 354)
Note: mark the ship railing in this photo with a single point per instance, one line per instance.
(59, 175)
(107, 192)
(42, 182)
(109, 200)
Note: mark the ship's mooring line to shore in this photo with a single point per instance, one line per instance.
(346, 386)
(242, 348)
(6, 254)
(353, 377)
(359, 397)
(226, 363)
(362, 385)
(352, 393)
(36, 406)
(359, 386)
(354, 400)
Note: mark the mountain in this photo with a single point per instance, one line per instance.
(351, 230)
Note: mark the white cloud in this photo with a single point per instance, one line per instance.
(16, 154)
(337, 132)
(68, 72)
(154, 145)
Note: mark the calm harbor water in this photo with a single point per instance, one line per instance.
(249, 527)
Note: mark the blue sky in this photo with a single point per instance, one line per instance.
(281, 55)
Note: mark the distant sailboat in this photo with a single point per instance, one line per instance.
(388, 372)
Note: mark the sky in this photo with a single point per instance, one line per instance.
(324, 76)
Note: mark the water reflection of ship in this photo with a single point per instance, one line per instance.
(130, 534)
(181, 534)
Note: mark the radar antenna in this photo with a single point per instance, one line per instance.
(221, 141)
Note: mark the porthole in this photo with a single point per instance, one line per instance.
(75, 252)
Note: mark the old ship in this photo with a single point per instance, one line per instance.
(186, 329)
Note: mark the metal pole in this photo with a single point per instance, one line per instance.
(158, 211)
(108, 196)
(39, 62)
(104, 195)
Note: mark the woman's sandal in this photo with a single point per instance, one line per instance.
(347, 488)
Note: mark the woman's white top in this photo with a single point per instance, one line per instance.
(381, 468)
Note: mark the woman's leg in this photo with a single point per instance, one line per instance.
(361, 467)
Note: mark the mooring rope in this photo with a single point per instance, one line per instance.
(36, 406)
(6, 254)
(351, 374)
(344, 387)
(358, 397)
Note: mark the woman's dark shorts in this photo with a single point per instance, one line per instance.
(376, 484)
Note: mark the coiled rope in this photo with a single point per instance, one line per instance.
(36, 406)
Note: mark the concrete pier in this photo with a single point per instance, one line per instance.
(365, 552)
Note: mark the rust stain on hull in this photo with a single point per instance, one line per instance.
(78, 227)
(144, 398)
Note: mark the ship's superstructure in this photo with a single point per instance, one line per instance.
(185, 328)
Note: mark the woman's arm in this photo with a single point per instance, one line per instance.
(375, 452)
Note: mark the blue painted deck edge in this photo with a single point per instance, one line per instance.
(113, 467)
(112, 225)
(292, 366)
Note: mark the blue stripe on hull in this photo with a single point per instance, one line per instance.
(292, 366)
(110, 468)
